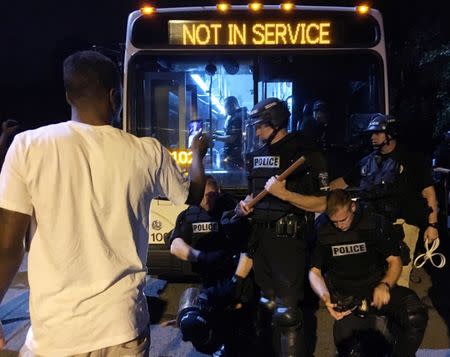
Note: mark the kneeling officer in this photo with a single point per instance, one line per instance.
(200, 238)
(349, 274)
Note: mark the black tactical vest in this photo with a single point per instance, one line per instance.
(206, 231)
(352, 260)
(272, 160)
(375, 171)
(380, 176)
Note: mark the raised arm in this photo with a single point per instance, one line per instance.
(199, 147)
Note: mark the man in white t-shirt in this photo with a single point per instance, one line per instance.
(87, 186)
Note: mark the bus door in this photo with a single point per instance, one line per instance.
(166, 103)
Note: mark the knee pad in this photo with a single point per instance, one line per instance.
(416, 312)
(287, 316)
(267, 302)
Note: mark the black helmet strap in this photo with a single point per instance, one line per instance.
(385, 142)
(272, 135)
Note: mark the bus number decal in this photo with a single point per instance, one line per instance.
(157, 238)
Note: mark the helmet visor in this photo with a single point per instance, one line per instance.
(251, 141)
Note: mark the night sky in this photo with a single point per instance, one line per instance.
(37, 36)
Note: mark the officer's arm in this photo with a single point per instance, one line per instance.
(244, 266)
(318, 284)
(338, 183)
(225, 138)
(393, 271)
(431, 233)
(13, 226)
(183, 251)
(305, 202)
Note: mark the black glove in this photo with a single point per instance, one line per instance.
(211, 258)
(237, 288)
(220, 294)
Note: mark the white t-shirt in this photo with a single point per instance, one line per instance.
(89, 188)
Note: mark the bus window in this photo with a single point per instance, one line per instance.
(170, 91)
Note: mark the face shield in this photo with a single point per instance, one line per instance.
(251, 140)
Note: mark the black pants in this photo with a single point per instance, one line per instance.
(279, 265)
(407, 321)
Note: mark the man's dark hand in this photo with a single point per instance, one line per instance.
(9, 128)
(200, 144)
(211, 258)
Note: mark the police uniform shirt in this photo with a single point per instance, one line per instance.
(354, 261)
(407, 173)
(200, 229)
(311, 178)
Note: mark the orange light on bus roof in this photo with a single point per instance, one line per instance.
(363, 9)
(223, 7)
(287, 6)
(148, 10)
(255, 6)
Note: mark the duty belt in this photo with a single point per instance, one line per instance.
(269, 225)
(286, 227)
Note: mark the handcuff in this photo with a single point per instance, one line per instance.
(429, 254)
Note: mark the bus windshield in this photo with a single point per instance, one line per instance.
(170, 97)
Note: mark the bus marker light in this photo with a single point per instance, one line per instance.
(255, 6)
(363, 9)
(148, 10)
(223, 7)
(287, 6)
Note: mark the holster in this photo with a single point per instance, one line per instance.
(289, 226)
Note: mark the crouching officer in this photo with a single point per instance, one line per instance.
(349, 274)
(396, 183)
(279, 223)
(220, 312)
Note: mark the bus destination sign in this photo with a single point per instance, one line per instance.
(250, 33)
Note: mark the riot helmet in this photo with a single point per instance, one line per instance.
(385, 123)
(321, 112)
(320, 106)
(270, 111)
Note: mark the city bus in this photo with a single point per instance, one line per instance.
(181, 63)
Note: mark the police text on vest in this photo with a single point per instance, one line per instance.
(266, 162)
(205, 227)
(348, 249)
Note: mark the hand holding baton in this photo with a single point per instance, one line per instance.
(280, 178)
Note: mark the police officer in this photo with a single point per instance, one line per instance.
(396, 183)
(232, 137)
(317, 125)
(199, 237)
(279, 221)
(348, 273)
